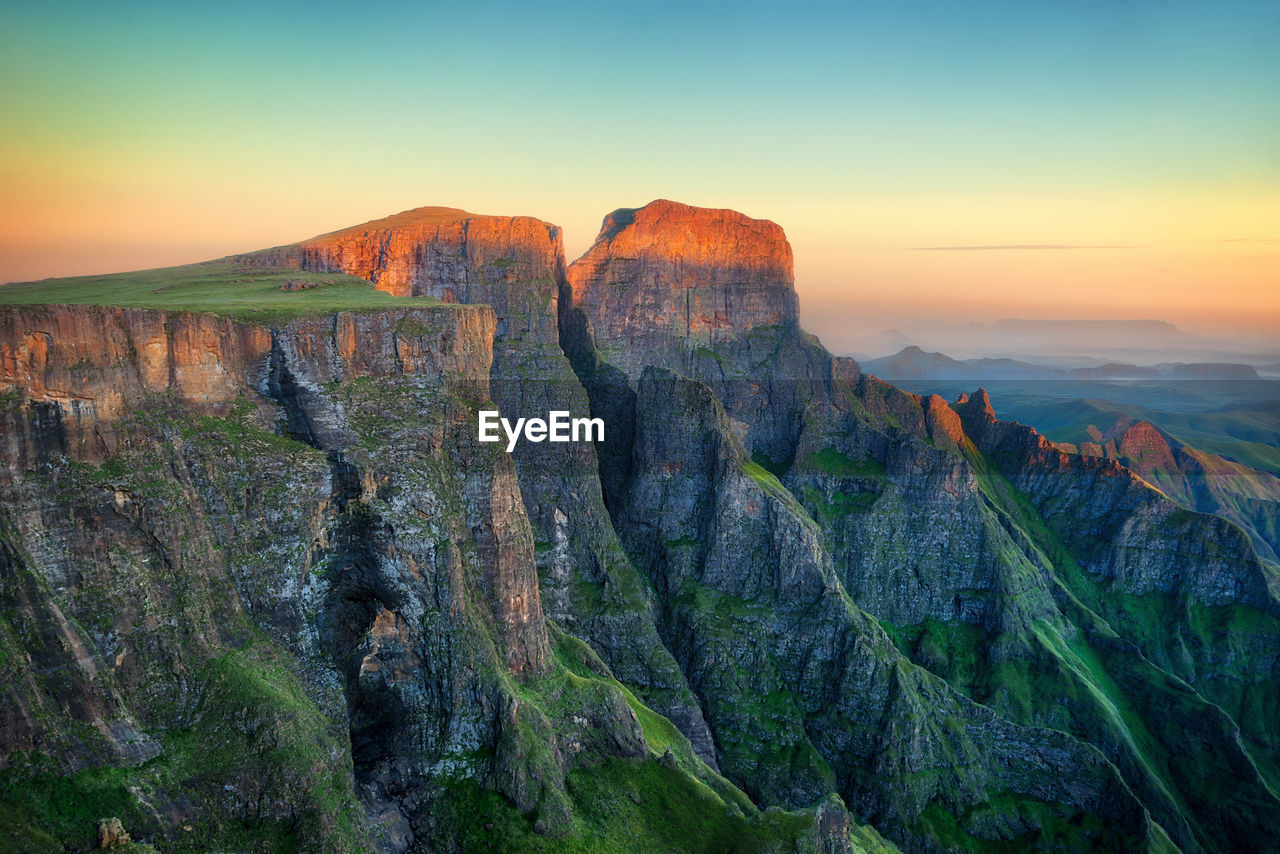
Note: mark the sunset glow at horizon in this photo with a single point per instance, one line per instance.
(1102, 159)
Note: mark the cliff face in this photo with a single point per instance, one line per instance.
(668, 277)
(979, 551)
(511, 263)
(709, 294)
(804, 691)
(516, 265)
(91, 364)
(249, 614)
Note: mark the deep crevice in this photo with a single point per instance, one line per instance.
(609, 396)
(358, 588)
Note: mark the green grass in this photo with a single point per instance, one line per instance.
(226, 288)
(832, 462)
(838, 504)
(254, 728)
(622, 806)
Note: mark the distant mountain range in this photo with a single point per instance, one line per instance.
(915, 363)
(1060, 343)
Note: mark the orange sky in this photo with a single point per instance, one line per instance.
(148, 136)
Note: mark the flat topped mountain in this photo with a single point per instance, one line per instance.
(427, 253)
(671, 271)
(716, 237)
(440, 252)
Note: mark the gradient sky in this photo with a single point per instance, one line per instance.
(1144, 134)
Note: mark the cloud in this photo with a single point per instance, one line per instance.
(983, 248)
(1251, 240)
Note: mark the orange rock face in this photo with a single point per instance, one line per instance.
(1146, 448)
(671, 270)
(94, 363)
(514, 264)
(101, 357)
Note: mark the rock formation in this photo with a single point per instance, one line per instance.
(269, 578)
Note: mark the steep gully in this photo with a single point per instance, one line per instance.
(356, 592)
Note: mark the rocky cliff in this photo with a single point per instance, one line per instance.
(291, 597)
(949, 528)
(667, 278)
(268, 590)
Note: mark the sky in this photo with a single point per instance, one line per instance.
(928, 160)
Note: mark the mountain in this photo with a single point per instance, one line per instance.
(1114, 371)
(1198, 480)
(268, 590)
(915, 363)
(1208, 370)
(1245, 432)
(1064, 343)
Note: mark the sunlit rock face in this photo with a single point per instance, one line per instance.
(671, 273)
(513, 263)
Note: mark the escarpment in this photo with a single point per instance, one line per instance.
(327, 591)
(266, 583)
(84, 367)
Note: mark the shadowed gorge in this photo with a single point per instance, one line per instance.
(264, 582)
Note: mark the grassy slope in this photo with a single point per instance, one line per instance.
(222, 287)
(670, 801)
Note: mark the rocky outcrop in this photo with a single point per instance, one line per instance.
(446, 253)
(804, 692)
(707, 293)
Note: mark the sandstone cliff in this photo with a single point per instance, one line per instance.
(668, 277)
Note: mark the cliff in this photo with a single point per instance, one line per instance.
(290, 555)
(667, 277)
(516, 265)
(511, 263)
(982, 553)
(266, 583)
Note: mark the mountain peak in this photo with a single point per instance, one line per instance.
(981, 403)
(700, 275)
(441, 252)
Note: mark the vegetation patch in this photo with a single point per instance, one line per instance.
(224, 287)
(833, 462)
